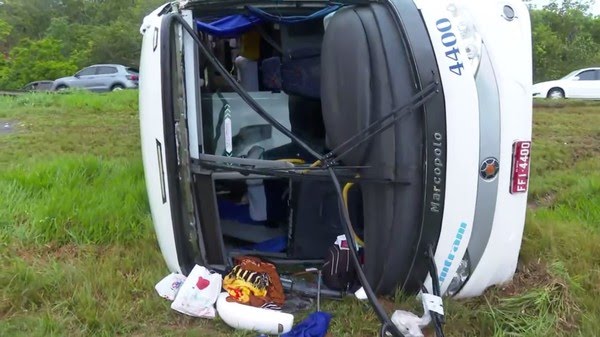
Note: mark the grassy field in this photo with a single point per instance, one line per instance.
(78, 255)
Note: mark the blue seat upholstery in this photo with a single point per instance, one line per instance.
(299, 73)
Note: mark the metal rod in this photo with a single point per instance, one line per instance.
(319, 291)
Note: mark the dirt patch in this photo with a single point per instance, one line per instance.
(388, 304)
(534, 282)
(545, 200)
(50, 252)
(527, 277)
(586, 147)
(182, 322)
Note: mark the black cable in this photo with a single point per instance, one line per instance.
(383, 331)
(420, 98)
(387, 324)
(250, 101)
(436, 318)
(383, 123)
(238, 88)
(383, 317)
(438, 329)
(433, 270)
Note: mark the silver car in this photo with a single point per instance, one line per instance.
(100, 77)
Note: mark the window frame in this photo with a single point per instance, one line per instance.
(595, 75)
(114, 70)
(94, 68)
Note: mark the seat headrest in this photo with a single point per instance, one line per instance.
(298, 74)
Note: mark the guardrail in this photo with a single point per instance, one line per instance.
(11, 93)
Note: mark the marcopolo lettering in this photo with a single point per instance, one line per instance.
(438, 169)
(452, 255)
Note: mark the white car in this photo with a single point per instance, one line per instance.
(248, 136)
(582, 83)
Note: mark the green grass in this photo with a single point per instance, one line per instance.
(78, 256)
(74, 199)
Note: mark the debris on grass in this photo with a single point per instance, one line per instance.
(7, 127)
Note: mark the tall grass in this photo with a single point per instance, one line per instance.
(48, 126)
(72, 103)
(78, 255)
(72, 170)
(75, 199)
(547, 309)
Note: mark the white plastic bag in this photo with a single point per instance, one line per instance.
(169, 286)
(198, 293)
(410, 324)
(361, 294)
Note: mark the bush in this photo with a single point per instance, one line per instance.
(35, 60)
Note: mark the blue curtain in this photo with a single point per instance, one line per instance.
(229, 26)
(236, 25)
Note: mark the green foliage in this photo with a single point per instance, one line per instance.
(57, 199)
(66, 35)
(565, 38)
(60, 199)
(5, 30)
(119, 43)
(35, 60)
(75, 39)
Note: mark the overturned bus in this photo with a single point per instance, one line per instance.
(272, 127)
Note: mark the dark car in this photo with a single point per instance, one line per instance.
(38, 86)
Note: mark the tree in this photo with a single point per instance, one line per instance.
(76, 39)
(36, 60)
(582, 6)
(60, 35)
(29, 18)
(5, 30)
(115, 44)
(565, 38)
(46, 39)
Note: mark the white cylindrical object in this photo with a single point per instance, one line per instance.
(246, 317)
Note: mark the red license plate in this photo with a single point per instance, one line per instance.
(520, 168)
